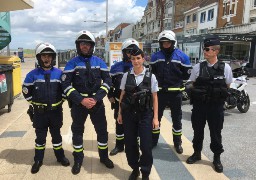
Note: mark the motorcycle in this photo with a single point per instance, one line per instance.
(238, 96)
(186, 93)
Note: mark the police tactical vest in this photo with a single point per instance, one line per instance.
(210, 86)
(138, 98)
(87, 80)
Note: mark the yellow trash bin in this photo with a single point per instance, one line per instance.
(16, 73)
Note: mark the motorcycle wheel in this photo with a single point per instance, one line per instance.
(244, 105)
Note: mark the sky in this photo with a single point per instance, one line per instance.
(59, 21)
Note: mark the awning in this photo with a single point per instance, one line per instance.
(13, 5)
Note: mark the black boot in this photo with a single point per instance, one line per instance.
(196, 156)
(108, 163)
(64, 162)
(115, 151)
(76, 168)
(36, 166)
(178, 148)
(217, 163)
(135, 173)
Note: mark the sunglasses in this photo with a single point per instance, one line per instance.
(85, 44)
(128, 51)
(208, 49)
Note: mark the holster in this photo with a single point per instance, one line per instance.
(199, 95)
(30, 112)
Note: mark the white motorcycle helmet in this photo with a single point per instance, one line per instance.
(167, 35)
(85, 36)
(45, 48)
(128, 45)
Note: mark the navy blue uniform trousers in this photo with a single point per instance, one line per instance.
(119, 128)
(138, 124)
(213, 113)
(79, 114)
(41, 121)
(174, 101)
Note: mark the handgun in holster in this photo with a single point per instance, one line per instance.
(30, 112)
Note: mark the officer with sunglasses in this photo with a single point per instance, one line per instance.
(86, 82)
(211, 80)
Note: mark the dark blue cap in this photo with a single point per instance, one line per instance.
(211, 41)
(136, 52)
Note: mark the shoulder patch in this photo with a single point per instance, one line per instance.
(25, 90)
(63, 77)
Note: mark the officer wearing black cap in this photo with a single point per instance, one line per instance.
(211, 80)
(138, 111)
(86, 82)
(116, 73)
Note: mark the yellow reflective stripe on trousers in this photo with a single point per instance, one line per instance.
(120, 138)
(57, 148)
(40, 148)
(177, 134)
(156, 132)
(104, 88)
(79, 150)
(100, 147)
(173, 89)
(72, 89)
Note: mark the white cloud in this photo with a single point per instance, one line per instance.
(59, 21)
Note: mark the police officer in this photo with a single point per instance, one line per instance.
(82, 83)
(211, 80)
(138, 113)
(116, 72)
(42, 88)
(171, 66)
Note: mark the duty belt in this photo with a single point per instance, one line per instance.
(165, 89)
(42, 109)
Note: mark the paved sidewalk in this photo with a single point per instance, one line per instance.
(17, 150)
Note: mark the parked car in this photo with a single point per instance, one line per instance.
(231, 60)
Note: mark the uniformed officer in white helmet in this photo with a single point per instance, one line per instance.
(86, 82)
(171, 66)
(42, 88)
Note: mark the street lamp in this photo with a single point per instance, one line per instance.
(94, 22)
(106, 21)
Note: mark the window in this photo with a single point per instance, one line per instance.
(202, 18)
(194, 17)
(230, 7)
(254, 4)
(188, 19)
(210, 14)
